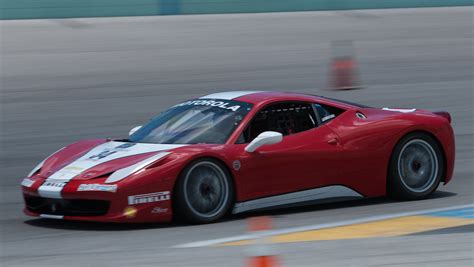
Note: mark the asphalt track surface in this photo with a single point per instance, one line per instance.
(64, 80)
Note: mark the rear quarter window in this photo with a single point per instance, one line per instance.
(327, 113)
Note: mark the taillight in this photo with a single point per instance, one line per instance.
(444, 114)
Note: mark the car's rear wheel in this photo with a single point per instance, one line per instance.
(204, 192)
(416, 167)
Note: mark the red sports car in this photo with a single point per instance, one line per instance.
(234, 152)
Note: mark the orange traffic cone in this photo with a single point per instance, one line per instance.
(261, 255)
(343, 74)
(262, 261)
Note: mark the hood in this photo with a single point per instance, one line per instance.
(88, 160)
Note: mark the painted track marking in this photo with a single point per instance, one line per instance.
(430, 213)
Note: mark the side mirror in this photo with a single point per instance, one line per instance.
(134, 129)
(265, 138)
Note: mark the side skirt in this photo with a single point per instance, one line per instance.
(325, 194)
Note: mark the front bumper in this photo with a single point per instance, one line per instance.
(139, 203)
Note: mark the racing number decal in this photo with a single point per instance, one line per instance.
(107, 153)
(102, 155)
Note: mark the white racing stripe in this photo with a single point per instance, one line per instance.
(51, 188)
(249, 236)
(102, 153)
(124, 172)
(49, 216)
(229, 95)
(402, 110)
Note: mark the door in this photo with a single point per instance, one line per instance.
(306, 158)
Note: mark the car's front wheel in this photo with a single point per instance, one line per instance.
(416, 167)
(204, 192)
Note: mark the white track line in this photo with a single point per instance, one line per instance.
(248, 236)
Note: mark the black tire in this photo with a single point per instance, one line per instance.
(204, 192)
(416, 167)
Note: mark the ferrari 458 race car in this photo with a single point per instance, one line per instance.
(241, 151)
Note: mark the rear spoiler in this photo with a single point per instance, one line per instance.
(444, 114)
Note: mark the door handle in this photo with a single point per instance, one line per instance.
(333, 141)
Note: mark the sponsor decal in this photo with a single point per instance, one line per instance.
(51, 188)
(61, 175)
(54, 184)
(27, 182)
(130, 212)
(149, 198)
(73, 168)
(125, 145)
(158, 210)
(211, 103)
(98, 187)
(236, 165)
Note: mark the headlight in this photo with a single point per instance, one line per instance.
(40, 165)
(127, 171)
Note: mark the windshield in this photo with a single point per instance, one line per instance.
(197, 121)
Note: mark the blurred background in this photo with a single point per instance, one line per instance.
(72, 70)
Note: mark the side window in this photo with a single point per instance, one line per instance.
(326, 113)
(285, 118)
